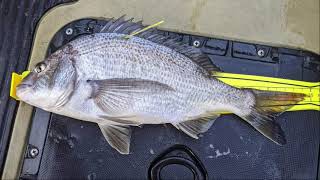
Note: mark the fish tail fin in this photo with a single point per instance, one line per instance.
(269, 104)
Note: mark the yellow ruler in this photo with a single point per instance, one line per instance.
(311, 89)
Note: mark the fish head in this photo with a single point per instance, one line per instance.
(49, 83)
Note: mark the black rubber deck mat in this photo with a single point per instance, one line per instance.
(18, 20)
(229, 150)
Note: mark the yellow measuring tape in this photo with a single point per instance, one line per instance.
(311, 89)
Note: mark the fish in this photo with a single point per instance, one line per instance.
(150, 78)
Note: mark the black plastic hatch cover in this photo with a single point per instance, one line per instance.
(231, 149)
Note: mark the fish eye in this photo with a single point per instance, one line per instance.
(40, 67)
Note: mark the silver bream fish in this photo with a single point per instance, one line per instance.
(148, 79)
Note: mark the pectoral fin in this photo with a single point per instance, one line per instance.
(112, 95)
(196, 126)
(117, 136)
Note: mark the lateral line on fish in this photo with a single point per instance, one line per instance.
(144, 29)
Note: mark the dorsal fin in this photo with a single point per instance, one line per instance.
(122, 26)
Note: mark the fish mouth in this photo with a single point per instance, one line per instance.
(23, 88)
(24, 85)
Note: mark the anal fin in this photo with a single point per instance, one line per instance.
(117, 136)
(196, 126)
